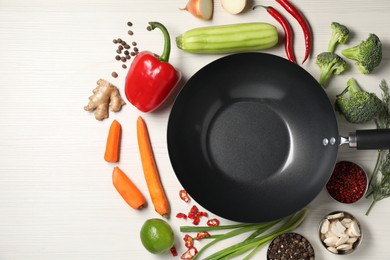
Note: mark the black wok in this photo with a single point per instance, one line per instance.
(253, 137)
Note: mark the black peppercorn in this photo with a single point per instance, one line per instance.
(290, 246)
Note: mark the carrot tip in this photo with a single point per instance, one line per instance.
(165, 216)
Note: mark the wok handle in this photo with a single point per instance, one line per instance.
(373, 139)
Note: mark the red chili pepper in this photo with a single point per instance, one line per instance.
(151, 78)
(213, 222)
(173, 251)
(302, 22)
(196, 220)
(288, 33)
(188, 241)
(184, 195)
(202, 214)
(202, 234)
(193, 211)
(189, 254)
(181, 215)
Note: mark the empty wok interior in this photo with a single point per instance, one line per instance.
(245, 137)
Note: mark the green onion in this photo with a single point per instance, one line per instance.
(253, 242)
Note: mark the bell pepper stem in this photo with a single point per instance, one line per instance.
(167, 41)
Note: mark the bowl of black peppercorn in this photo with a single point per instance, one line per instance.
(290, 245)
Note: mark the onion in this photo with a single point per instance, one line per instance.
(202, 9)
(234, 6)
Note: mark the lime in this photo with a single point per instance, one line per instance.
(157, 236)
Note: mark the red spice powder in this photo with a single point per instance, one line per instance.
(348, 182)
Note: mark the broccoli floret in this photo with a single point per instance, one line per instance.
(340, 34)
(360, 106)
(329, 63)
(368, 54)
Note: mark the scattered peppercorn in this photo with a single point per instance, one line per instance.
(149, 28)
(290, 246)
(125, 48)
(348, 182)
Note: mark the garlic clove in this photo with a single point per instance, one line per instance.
(335, 216)
(331, 241)
(352, 240)
(337, 228)
(346, 222)
(325, 226)
(344, 247)
(354, 229)
(332, 249)
(342, 240)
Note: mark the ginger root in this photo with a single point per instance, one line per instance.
(105, 96)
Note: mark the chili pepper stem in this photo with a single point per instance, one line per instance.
(264, 6)
(167, 40)
(288, 33)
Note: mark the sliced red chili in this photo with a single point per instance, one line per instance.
(196, 220)
(189, 254)
(213, 222)
(173, 251)
(202, 214)
(184, 196)
(188, 241)
(181, 215)
(193, 211)
(202, 234)
(289, 7)
(288, 33)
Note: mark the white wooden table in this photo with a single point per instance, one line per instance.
(57, 200)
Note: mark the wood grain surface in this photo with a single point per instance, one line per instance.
(57, 200)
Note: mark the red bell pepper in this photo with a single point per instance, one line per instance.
(151, 78)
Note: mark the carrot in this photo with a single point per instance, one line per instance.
(127, 189)
(113, 142)
(152, 177)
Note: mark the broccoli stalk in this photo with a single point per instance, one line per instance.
(330, 64)
(340, 34)
(368, 54)
(360, 106)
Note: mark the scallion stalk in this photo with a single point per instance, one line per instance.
(253, 242)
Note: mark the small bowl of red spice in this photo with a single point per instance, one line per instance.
(348, 182)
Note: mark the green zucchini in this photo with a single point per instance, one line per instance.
(228, 38)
